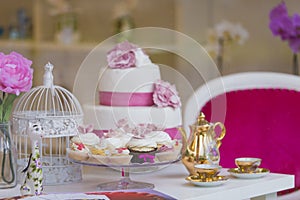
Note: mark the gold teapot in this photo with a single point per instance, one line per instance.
(203, 143)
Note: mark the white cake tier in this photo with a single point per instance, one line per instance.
(107, 117)
(129, 80)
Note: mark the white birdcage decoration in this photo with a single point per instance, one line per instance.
(59, 113)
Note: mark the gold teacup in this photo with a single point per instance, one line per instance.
(247, 164)
(207, 171)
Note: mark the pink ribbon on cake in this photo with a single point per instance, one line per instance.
(126, 99)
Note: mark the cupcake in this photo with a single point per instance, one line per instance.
(77, 152)
(142, 149)
(167, 149)
(113, 152)
(161, 138)
(98, 156)
(81, 146)
(121, 156)
(166, 154)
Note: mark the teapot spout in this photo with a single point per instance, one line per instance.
(184, 138)
(183, 133)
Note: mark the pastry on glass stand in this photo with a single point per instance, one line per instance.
(126, 149)
(125, 146)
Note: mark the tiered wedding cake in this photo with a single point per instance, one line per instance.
(138, 113)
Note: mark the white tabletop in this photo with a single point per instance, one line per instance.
(171, 180)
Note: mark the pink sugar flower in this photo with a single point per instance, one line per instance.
(122, 56)
(165, 95)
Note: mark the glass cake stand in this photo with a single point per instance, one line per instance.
(125, 182)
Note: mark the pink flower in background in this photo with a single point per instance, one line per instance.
(294, 41)
(15, 77)
(165, 95)
(285, 26)
(15, 73)
(122, 56)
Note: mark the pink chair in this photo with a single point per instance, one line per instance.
(261, 113)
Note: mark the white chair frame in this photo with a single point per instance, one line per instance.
(234, 82)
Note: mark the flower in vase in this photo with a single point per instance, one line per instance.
(15, 77)
(123, 20)
(230, 32)
(285, 26)
(222, 35)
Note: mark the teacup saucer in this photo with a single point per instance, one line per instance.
(260, 172)
(215, 181)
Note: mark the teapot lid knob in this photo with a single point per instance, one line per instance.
(201, 120)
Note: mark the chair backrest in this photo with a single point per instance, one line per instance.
(261, 113)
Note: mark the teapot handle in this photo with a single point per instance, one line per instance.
(222, 134)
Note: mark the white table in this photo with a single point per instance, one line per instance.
(171, 181)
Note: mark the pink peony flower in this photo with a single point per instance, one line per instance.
(165, 95)
(15, 73)
(122, 56)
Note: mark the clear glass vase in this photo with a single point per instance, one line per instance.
(8, 157)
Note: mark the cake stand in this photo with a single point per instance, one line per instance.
(125, 182)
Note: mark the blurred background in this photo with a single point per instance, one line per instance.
(65, 31)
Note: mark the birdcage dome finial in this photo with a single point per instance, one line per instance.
(48, 76)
